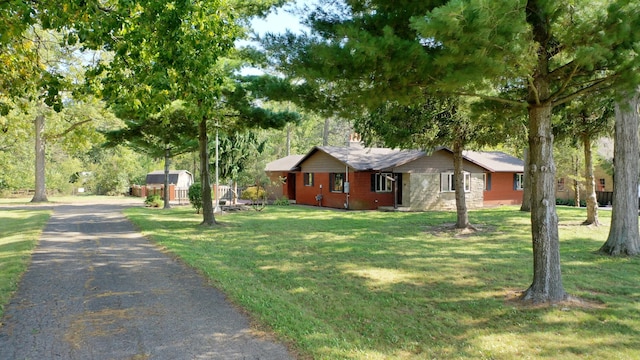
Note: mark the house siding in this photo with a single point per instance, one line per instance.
(502, 191)
(360, 197)
(424, 193)
(439, 161)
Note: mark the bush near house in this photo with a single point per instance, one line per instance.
(154, 201)
(195, 196)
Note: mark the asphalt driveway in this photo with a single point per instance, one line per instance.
(97, 289)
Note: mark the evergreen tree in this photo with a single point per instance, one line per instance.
(532, 55)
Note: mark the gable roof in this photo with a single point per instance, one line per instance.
(495, 161)
(362, 159)
(157, 177)
(284, 164)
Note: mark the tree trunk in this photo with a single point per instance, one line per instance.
(167, 164)
(526, 187)
(40, 194)
(624, 238)
(547, 277)
(461, 203)
(325, 132)
(208, 218)
(288, 139)
(576, 183)
(590, 181)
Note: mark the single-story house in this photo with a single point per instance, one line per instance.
(282, 179)
(356, 177)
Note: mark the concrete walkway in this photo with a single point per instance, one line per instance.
(97, 289)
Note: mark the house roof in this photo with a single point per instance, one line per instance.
(157, 177)
(361, 159)
(284, 164)
(495, 161)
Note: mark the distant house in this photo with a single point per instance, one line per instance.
(180, 178)
(566, 185)
(362, 178)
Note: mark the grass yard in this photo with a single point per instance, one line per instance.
(373, 285)
(19, 233)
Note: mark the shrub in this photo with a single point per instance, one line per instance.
(195, 196)
(254, 193)
(283, 201)
(154, 201)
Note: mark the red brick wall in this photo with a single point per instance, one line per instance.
(502, 192)
(360, 198)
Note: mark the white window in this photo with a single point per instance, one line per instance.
(518, 181)
(448, 182)
(383, 182)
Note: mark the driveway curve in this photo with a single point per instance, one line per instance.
(97, 289)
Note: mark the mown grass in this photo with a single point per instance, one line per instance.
(19, 233)
(373, 285)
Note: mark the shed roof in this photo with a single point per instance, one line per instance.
(157, 177)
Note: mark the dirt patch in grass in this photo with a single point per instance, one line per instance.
(449, 229)
(514, 298)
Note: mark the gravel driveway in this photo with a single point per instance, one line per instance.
(97, 289)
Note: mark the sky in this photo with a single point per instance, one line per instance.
(277, 22)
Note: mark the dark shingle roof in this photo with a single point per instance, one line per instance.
(284, 164)
(376, 159)
(495, 161)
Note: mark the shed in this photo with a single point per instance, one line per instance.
(180, 178)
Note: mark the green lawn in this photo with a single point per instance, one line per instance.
(19, 232)
(373, 285)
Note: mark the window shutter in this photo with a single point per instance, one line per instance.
(373, 182)
(488, 181)
(515, 181)
(444, 181)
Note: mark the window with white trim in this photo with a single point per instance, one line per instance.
(518, 181)
(383, 182)
(448, 182)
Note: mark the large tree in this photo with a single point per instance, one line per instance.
(163, 135)
(163, 52)
(581, 123)
(624, 237)
(533, 55)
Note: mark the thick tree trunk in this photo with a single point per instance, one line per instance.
(462, 221)
(624, 238)
(40, 194)
(526, 187)
(590, 181)
(167, 164)
(547, 277)
(208, 218)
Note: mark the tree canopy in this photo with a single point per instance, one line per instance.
(532, 55)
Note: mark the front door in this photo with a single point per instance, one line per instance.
(398, 188)
(291, 186)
